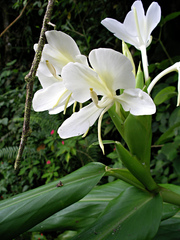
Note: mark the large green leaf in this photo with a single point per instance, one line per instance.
(133, 215)
(83, 213)
(24, 211)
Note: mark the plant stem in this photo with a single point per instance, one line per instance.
(172, 68)
(30, 80)
(169, 196)
(145, 63)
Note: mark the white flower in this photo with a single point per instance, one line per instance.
(53, 97)
(137, 27)
(60, 50)
(111, 71)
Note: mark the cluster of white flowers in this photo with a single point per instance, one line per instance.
(67, 78)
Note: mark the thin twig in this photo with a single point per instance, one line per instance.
(14, 20)
(30, 80)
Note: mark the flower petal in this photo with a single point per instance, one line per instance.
(50, 97)
(153, 16)
(79, 78)
(137, 102)
(114, 69)
(119, 30)
(63, 43)
(79, 122)
(45, 80)
(61, 49)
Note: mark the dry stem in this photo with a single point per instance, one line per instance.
(30, 80)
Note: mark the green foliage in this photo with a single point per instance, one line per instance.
(45, 200)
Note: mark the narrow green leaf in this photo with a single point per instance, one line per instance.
(139, 78)
(26, 210)
(168, 134)
(170, 17)
(124, 175)
(133, 215)
(137, 169)
(164, 95)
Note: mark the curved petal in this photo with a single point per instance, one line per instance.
(43, 69)
(79, 78)
(45, 80)
(50, 97)
(137, 102)
(56, 58)
(61, 49)
(63, 43)
(79, 122)
(113, 68)
(59, 109)
(119, 30)
(153, 16)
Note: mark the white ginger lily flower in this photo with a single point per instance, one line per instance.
(137, 27)
(111, 71)
(53, 97)
(60, 50)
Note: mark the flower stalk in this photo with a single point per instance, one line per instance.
(175, 67)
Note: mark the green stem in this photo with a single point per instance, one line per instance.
(169, 196)
(167, 54)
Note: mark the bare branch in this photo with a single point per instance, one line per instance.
(14, 20)
(30, 80)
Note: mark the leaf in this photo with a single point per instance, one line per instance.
(124, 175)
(168, 134)
(139, 78)
(133, 215)
(138, 134)
(136, 131)
(83, 213)
(22, 212)
(164, 95)
(169, 229)
(170, 17)
(136, 168)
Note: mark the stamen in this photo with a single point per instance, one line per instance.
(85, 134)
(52, 70)
(74, 106)
(99, 126)
(80, 106)
(60, 98)
(94, 97)
(66, 103)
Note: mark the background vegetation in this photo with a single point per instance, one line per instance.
(46, 156)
